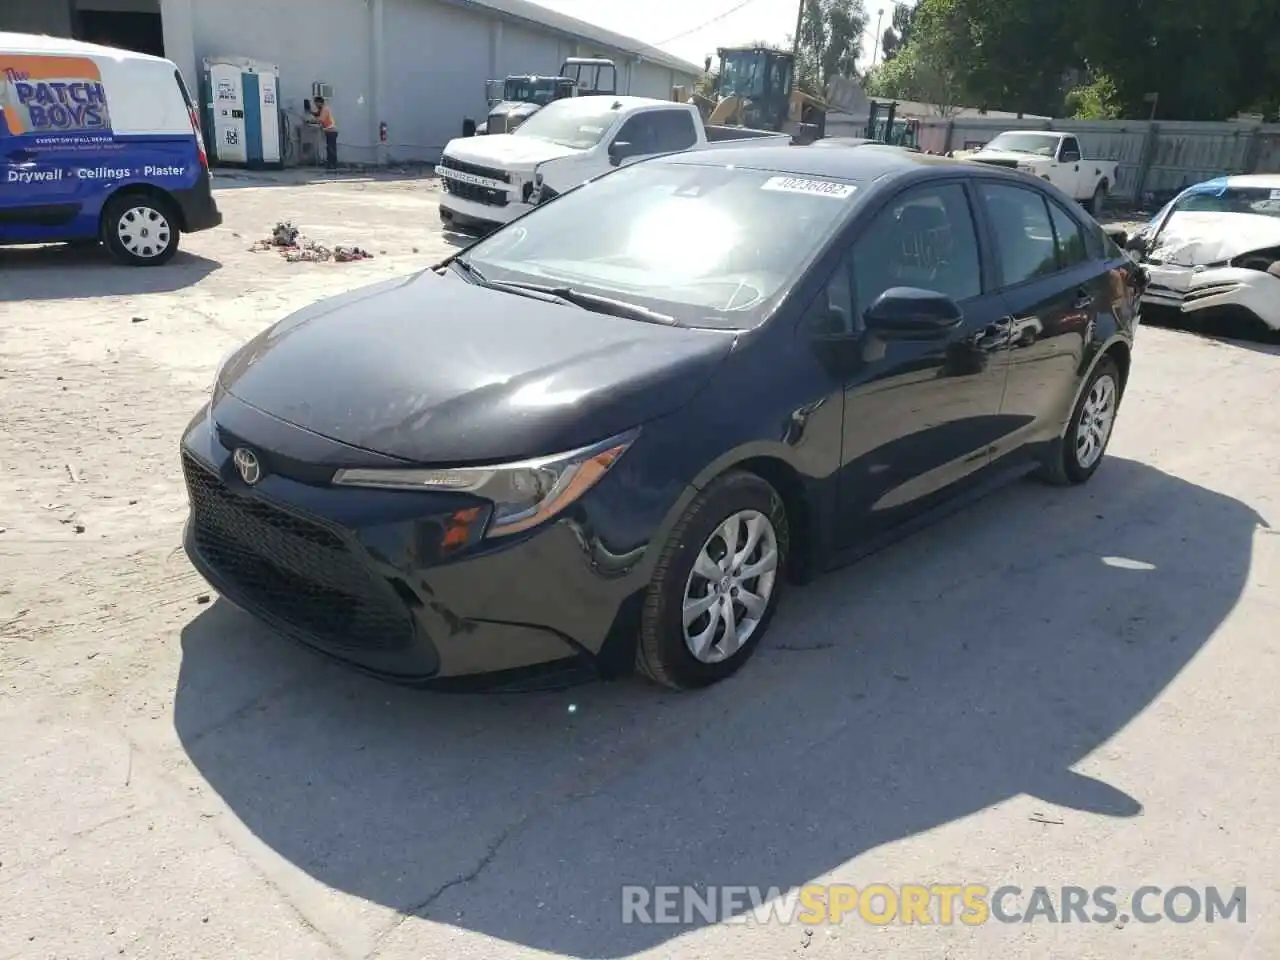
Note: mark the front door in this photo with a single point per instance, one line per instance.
(921, 416)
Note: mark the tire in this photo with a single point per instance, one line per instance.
(664, 654)
(140, 229)
(1068, 466)
(1099, 198)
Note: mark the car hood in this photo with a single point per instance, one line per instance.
(514, 108)
(434, 369)
(506, 151)
(1006, 156)
(1200, 239)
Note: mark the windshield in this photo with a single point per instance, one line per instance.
(530, 90)
(1261, 201)
(710, 246)
(578, 122)
(1037, 143)
(742, 75)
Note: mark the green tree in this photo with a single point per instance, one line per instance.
(1096, 100)
(1204, 64)
(830, 41)
(898, 33)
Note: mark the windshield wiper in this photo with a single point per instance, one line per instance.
(588, 301)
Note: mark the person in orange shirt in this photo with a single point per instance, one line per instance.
(324, 115)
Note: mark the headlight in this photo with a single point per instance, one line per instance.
(523, 494)
(222, 365)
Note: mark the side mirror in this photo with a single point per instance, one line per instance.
(909, 312)
(619, 150)
(1136, 244)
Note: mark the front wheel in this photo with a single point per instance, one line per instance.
(1082, 446)
(716, 585)
(140, 230)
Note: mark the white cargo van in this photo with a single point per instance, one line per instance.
(99, 144)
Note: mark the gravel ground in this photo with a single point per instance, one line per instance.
(1066, 688)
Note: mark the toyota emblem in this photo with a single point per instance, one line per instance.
(248, 466)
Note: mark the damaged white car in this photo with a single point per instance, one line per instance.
(1215, 250)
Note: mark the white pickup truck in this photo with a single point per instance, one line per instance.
(1057, 158)
(489, 181)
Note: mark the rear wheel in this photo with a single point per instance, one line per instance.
(1099, 198)
(716, 585)
(140, 230)
(1082, 446)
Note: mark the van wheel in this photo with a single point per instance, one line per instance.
(140, 230)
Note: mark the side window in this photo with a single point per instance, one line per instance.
(1070, 151)
(674, 130)
(1024, 236)
(925, 238)
(1070, 237)
(638, 131)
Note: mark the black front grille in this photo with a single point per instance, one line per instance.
(1011, 164)
(471, 191)
(475, 170)
(292, 568)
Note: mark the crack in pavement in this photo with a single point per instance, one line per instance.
(417, 910)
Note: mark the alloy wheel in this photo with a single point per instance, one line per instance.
(728, 591)
(1097, 417)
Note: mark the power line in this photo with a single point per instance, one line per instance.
(715, 19)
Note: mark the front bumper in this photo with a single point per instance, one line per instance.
(468, 214)
(370, 577)
(1188, 290)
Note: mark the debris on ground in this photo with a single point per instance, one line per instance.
(296, 248)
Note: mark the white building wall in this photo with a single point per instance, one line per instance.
(310, 40)
(525, 50)
(435, 59)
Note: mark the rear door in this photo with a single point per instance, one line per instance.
(1050, 281)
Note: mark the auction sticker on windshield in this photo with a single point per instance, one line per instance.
(821, 188)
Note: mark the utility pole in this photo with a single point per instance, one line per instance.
(879, 37)
(795, 45)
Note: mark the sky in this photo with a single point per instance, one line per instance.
(676, 26)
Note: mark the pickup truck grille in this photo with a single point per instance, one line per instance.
(474, 169)
(471, 191)
(1011, 164)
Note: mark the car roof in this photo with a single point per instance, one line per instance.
(39, 44)
(1255, 180)
(859, 162)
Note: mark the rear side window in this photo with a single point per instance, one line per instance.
(1070, 149)
(674, 130)
(1024, 236)
(1069, 236)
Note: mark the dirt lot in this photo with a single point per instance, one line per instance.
(1067, 688)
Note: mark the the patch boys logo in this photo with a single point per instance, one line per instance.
(52, 95)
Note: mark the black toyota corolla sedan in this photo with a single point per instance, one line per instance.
(609, 433)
